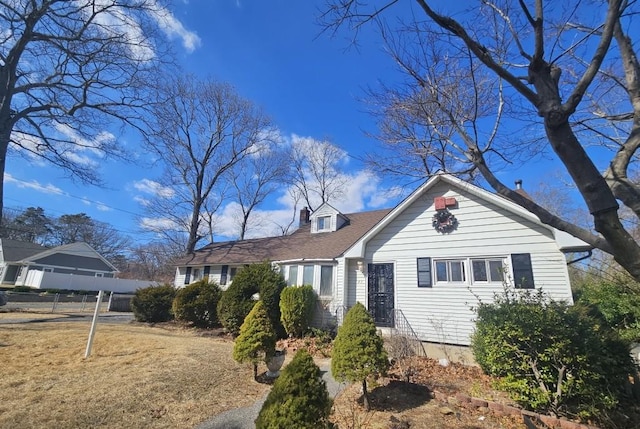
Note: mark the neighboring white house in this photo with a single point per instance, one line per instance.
(431, 258)
(75, 266)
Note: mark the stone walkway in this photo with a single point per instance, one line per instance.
(243, 418)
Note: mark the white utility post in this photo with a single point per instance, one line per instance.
(94, 322)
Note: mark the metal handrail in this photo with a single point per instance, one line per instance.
(404, 329)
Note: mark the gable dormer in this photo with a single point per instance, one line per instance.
(327, 219)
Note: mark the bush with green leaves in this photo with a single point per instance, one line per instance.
(153, 304)
(296, 309)
(257, 339)
(196, 304)
(298, 399)
(551, 357)
(618, 300)
(358, 351)
(237, 300)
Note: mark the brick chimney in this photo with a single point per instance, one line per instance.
(304, 216)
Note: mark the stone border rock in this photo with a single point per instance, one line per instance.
(501, 410)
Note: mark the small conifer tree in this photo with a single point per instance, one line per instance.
(257, 339)
(298, 399)
(358, 350)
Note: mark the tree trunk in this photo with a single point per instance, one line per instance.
(255, 371)
(596, 193)
(365, 395)
(5, 136)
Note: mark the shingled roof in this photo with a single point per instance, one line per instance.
(14, 250)
(302, 244)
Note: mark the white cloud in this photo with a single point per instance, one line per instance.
(172, 28)
(155, 224)
(141, 200)
(153, 188)
(385, 197)
(103, 207)
(113, 20)
(35, 185)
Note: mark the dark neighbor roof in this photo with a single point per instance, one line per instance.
(13, 250)
(302, 244)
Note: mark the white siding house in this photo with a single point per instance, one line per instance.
(433, 258)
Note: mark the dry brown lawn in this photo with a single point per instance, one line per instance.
(136, 377)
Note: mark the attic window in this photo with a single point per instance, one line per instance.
(324, 223)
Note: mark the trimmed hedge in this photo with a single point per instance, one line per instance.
(237, 301)
(197, 304)
(296, 309)
(551, 357)
(153, 304)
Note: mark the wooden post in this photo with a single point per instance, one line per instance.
(94, 322)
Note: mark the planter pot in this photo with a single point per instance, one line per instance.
(275, 363)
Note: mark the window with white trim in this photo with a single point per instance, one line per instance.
(490, 270)
(450, 271)
(307, 275)
(326, 280)
(292, 280)
(323, 223)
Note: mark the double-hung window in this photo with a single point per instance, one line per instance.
(324, 223)
(292, 280)
(450, 271)
(326, 280)
(487, 270)
(307, 275)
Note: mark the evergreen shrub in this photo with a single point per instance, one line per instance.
(153, 304)
(197, 304)
(551, 357)
(237, 300)
(296, 309)
(358, 351)
(298, 399)
(618, 301)
(257, 339)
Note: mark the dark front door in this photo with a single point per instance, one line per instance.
(381, 294)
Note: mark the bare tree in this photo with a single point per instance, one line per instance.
(67, 70)
(564, 70)
(258, 175)
(151, 261)
(201, 130)
(315, 171)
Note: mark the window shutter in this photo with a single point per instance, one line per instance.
(187, 276)
(207, 270)
(522, 271)
(223, 275)
(424, 272)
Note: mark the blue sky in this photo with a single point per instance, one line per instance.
(273, 52)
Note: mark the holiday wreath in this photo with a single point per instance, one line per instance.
(444, 221)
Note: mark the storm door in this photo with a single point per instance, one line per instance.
(381, 294)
